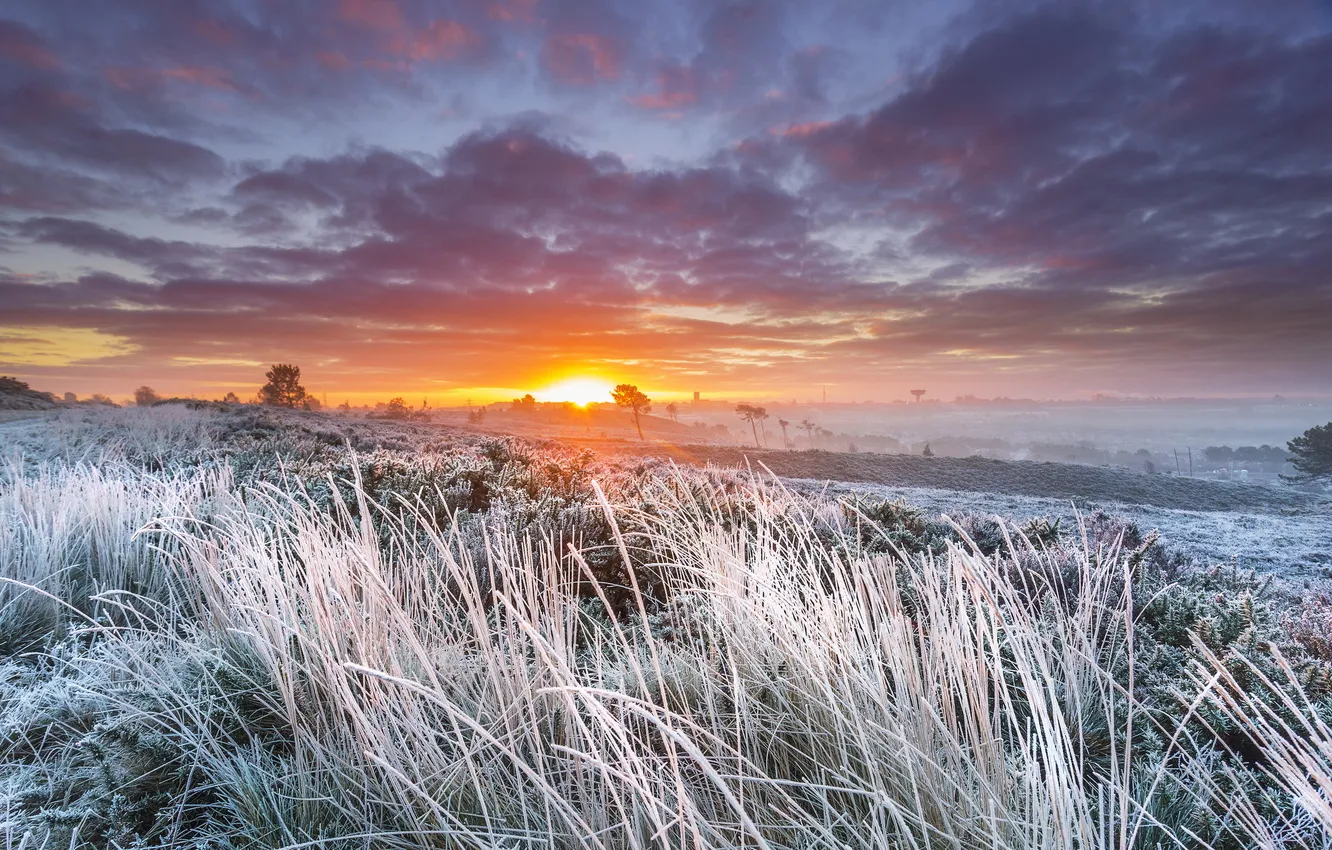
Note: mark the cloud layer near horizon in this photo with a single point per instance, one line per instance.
(1011, 199)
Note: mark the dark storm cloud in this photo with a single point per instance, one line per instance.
(1077, 187)
(1074, 150)
(1069, 140)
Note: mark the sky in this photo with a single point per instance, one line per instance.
(754, 199)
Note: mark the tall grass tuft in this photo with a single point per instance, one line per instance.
(68, 535)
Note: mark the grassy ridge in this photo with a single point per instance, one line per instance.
(494, 644)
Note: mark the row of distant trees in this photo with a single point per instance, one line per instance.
(631, 398)
(146, 396)
(1310, 453)
(756, 414)
(1246, 454)
(282, 389)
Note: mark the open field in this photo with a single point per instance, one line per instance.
(1026, 478)
(234, 628)
(1273, 530)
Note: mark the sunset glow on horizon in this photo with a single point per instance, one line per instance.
(579, 391)
(1025, 199)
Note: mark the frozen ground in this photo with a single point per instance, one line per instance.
(1293, 543)
(1269, 529)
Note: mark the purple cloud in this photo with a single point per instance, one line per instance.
(1068, 190)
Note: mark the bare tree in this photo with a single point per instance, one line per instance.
(629, 397)
(673, 411)
(146, 396)
(753, 414)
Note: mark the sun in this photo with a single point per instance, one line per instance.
(580, 391)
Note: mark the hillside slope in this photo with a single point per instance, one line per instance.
(17, 395)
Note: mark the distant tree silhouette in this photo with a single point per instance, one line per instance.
(146, 396)
(284, 386)
(70, 398)
(396, 409)
(786, 441)
(753, 414)
(231, 398)
(928, 452)
(1263, 453)
(629, 397)
(1312, 452)
(810, 427)
(526, 404)
(345, 407)
(673, 411)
